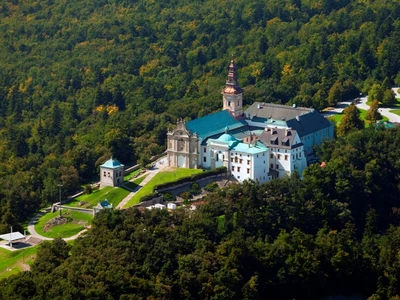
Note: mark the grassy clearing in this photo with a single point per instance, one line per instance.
(363, 113)
(77, 221)
(395, 111)
(134, 184)
(14, 260)
(132, 174)
(161, 177)
(113, 194)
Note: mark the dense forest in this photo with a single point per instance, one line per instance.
(83, 80)
(333, 233)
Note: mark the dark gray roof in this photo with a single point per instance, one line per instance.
(278, 137)
(304, 120)
(274, 111)
(309, 123)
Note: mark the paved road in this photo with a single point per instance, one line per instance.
(158, 166)
(363, 105)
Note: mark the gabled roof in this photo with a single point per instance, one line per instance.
(112, 164)
(279, 138)
(213, 124)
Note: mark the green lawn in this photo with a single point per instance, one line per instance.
(161, 177)
(132, 185)
(395, 111)
(77, 221)
(114, 196)
(14, 259)
(130, 175)
(363, 113)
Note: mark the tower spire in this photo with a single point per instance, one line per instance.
(232, 83)
(232, 93)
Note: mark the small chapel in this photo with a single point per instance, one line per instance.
(262, 142)
(111, 173)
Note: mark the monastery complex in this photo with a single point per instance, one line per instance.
(263, 142)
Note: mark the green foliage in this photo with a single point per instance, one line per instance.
(335, 231)
(88, 189)
(373, 114)
(389, 98)
(351, 120)
(211, 187)
(108, 78)
(168, 197)
(186, 195)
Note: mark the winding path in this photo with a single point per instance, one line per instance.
(158, 165)
(363, 105)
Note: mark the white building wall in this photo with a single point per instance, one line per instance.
(261, 167)
(239, 165)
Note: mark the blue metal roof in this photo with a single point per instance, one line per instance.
(226, 137)
(214, 123)
(112, 164)
(250, 148)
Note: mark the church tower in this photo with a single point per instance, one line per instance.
(232, 94)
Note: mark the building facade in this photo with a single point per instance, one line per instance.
(111, 173)
(263, 142)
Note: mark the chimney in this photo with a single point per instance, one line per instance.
(298, 118)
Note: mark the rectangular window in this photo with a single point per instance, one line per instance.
(248, 162)
(238, 169)
(216, 157)
(104, 174)
(233, 168)
(279, 156)
(231, 159)
(236, 159)
(241, 160)
(286, 157)
(204, 149)
(300, 154)
(271, 156)
(248, 171)
(205, 159)
(271, 166)
(277, 167)
(293, 156)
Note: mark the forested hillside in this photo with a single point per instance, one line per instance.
(83, 80)
(333, 233)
